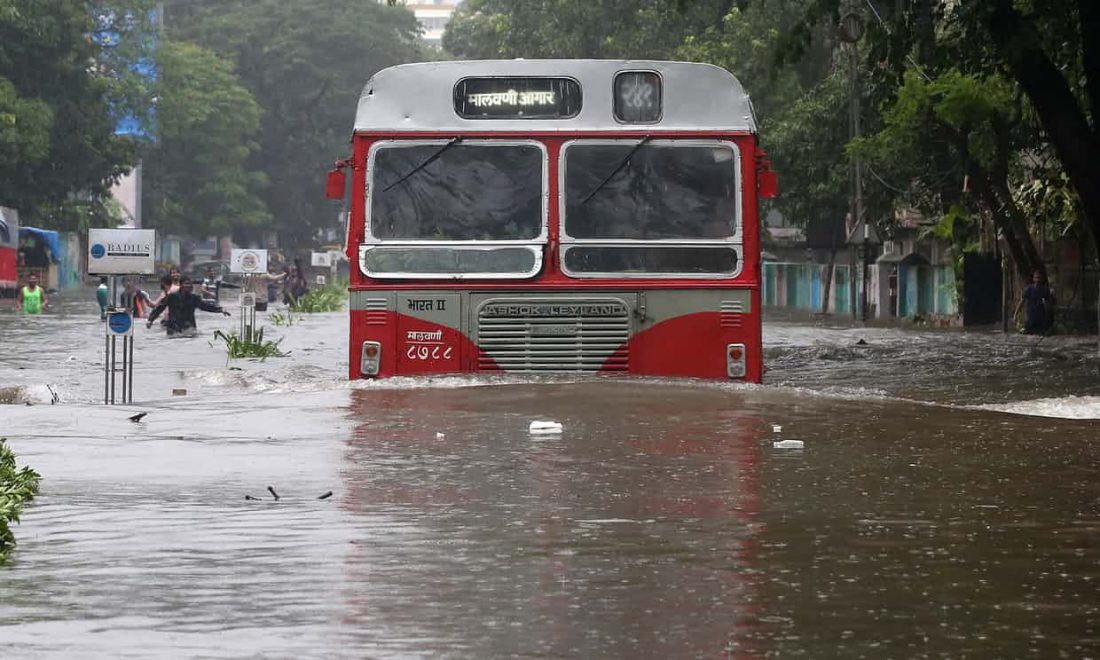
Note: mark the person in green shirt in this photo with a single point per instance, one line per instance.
(32, 298)
(102, 294)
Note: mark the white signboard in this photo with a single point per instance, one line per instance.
(248, 261)
(122, 251)
(320, 259)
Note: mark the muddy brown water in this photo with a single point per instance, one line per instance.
(932, 512)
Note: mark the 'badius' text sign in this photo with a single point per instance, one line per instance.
(122, 251)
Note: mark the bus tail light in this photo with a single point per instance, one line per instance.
(735, 360)
(371, 358)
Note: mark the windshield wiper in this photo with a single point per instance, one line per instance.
(427, 161)
(618, 168)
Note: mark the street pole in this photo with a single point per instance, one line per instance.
(850, 31)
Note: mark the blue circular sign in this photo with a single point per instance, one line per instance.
(119, 322)
(98, 251)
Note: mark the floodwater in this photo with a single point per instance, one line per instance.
(946, 503)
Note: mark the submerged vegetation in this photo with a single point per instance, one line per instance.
(251, 345)
(16, 488)
(329, 298)
(281, 319)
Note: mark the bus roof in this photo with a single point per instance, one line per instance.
(420, 97)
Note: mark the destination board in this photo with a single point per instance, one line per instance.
(517, 98)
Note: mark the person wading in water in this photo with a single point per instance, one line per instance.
(32, 298)
(181, 306)
(1038, 305)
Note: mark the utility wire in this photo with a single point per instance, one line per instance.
(908, 58)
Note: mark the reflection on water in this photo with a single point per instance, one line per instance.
(660, 523)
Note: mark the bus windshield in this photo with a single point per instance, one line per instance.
(665, 190)
(469, 191)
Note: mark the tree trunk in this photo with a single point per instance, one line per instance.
(1077, 146)
(1022, 258)
(827, 283)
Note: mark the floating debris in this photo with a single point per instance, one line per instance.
(137, 418)
(179, 391)
(784, 444)
(271, 490)
(325, 496)
(789, 444)
(545, 428)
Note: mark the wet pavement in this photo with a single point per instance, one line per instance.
(931, 513)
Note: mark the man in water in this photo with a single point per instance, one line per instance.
(136, 300)
(181, 306)
(101, 296)
(32, 298)
(260, 285)
(1038, 304)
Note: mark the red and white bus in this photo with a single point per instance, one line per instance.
(9, 252)
(555, 216)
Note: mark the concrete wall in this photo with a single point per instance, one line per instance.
(922, 290)
(802, 286)
(73, 267)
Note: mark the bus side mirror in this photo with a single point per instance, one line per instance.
(335, 184)
(768, 183)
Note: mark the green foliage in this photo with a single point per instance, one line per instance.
(281, 319)
(329, 298)
(251, 345)
(564, 28)
(16, 488)
(806, 141)
(59, 154)
(305, 63)
(198, 178)
(24, 128)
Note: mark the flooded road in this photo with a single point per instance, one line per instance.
(932, 512)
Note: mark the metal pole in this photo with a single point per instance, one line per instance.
(866, 271)
(130, 392)
(856, 204)
(106, 368)
(113, 365)
(125, 364)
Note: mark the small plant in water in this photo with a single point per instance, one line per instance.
(252, 345)
(329, 298)
(16, 487)
(280, 319)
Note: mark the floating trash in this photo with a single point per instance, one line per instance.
(545, 428)
(784, 444)
(788, 444)
(440, 435)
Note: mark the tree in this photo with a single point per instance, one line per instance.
(57, 115)
(305, 63)
(197, 179)
(640, 29)
(953, 132)
(1059, 70)
(1046, 47)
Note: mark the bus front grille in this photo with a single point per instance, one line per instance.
(553, 335)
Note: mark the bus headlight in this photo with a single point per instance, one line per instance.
(370, 359)
(735, 360)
